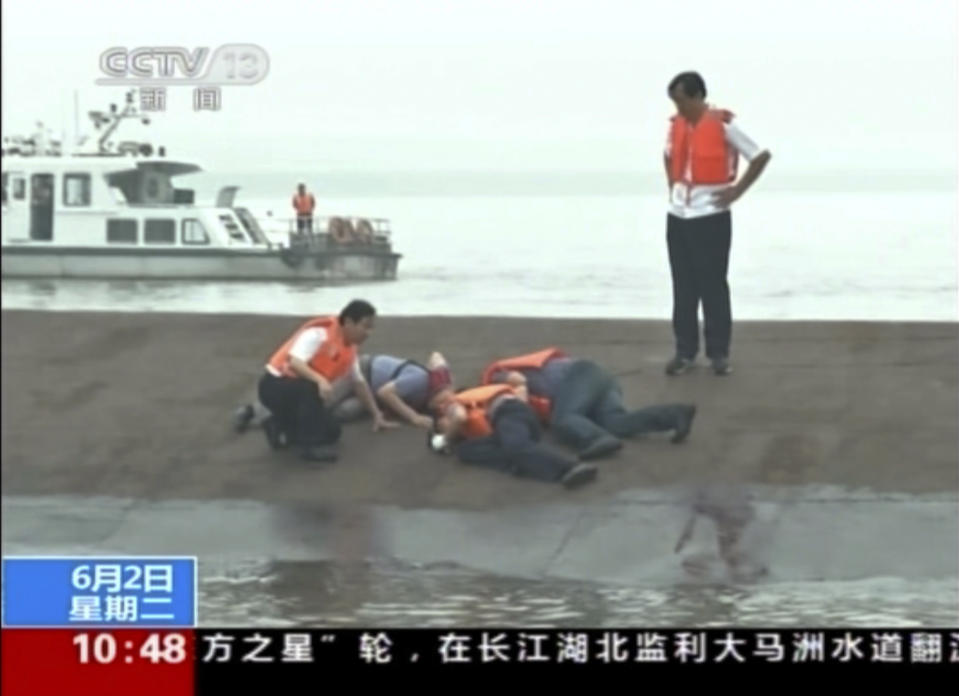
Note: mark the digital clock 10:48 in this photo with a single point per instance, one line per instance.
(104, 648)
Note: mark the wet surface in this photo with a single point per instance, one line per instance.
(834, 557)
(823, 475)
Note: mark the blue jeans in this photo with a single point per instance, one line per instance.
(514, 447)
(589, 404)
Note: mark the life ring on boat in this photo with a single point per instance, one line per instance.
(293, 258)
(341, 231)
(364, 232)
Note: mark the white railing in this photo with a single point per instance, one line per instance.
(339, 229)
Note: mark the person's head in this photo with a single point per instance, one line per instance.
(439, 391)
(449, 417)
(688, 92)
(301, 188)
(357, 321)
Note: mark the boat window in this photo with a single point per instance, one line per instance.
(231, 227)
(252, 226)
(121, 231)
(158, 231)
(41, 206)
(19, 189)
(76, 189)
(193, 232)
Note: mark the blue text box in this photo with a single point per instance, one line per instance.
(96, 591)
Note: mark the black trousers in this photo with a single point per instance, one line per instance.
(699, 260)
(304, 224)
(298, 410)
(514, 447)
(589, 404)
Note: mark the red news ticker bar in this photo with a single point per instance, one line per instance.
(47, 662)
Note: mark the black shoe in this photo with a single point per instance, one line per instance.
(319, 454)
(684, 422)
(275, 437)
(678, 366)
(242, 418)
(721, 367)
(600, 447)
(579, 475)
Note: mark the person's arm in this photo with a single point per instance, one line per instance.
(391, 399)
(517, 380)
(755, 169)
(302, 351)
(365, 394)
(669, 173)
(301, 368)
(758, 159)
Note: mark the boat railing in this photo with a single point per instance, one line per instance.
(324, 231)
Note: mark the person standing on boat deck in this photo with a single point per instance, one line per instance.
(304, 204)
(583, 403)
(702, 152)
(296, 386)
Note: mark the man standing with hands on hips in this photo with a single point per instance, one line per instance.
(702, 153)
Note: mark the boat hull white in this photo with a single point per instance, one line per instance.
(202, 264)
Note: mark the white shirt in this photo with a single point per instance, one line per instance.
(306, 345)
(700, 202)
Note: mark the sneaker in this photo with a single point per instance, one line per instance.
(242, 418)
(678, 366)
(600, 447)
(684, 423)
(579, 475)
(319, 454)
(721, 367)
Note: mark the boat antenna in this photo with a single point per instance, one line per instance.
(114, 118)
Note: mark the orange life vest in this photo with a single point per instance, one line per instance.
(333, 359)
(536, 361)
(703, 146)
(476, 401)
(304, 204)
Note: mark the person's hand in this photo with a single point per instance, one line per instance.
(381, 423)
(725, 197)
(421, 421)
(516, 379)
(325, 389)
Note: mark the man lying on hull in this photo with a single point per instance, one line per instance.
(495, 427)
(583, 402)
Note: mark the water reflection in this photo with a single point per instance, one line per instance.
(403, 596)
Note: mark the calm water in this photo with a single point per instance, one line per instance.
(881, 255)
